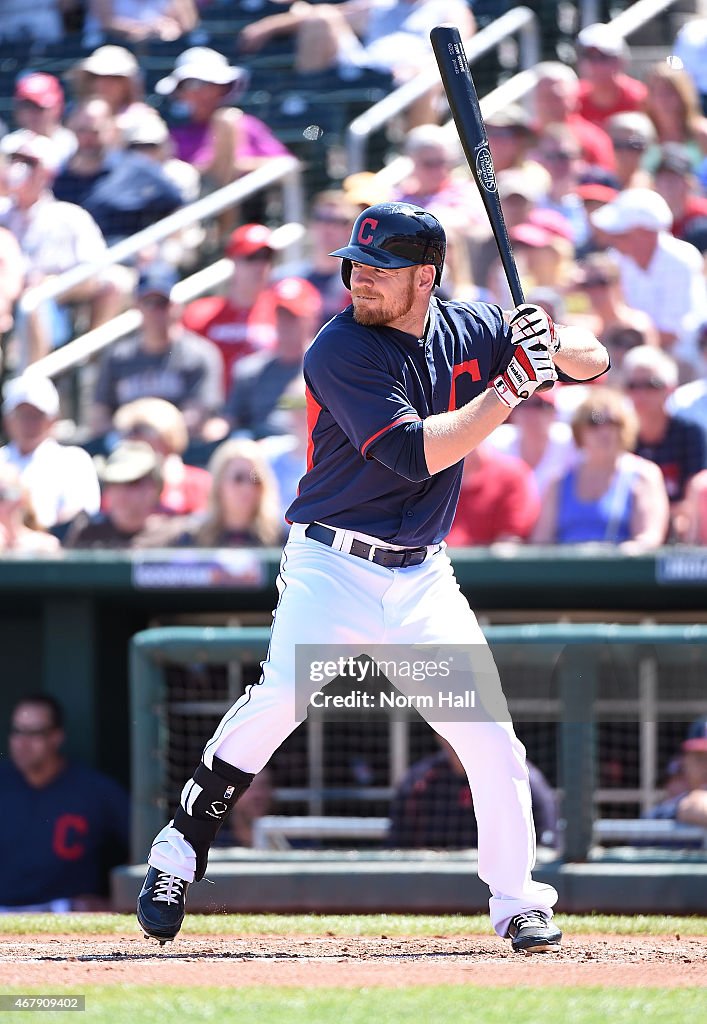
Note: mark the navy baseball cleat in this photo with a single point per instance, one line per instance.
(161, 905)
(534, 932)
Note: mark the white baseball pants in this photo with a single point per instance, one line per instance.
(330, 597)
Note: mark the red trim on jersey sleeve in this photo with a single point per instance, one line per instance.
(409, 418)
(471, 366)
(313, 410)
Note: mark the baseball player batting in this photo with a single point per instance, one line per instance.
(400, 387)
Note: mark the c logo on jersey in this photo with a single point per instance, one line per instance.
(365, 237)
(464, 376)
(68, 830)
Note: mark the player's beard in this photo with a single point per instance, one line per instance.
(369, 314)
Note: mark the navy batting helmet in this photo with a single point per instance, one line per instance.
(394, 235)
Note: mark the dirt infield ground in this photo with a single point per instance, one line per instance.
(51, 961)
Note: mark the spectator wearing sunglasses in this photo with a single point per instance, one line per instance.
(436, 180)
(244, 504)
(19, 529)
(161, 360)
(632, 134)
(598, 279)
(65, 825)
(604, 87)
(673, 443)
(611, 496)
(556, 101)
(676, 182)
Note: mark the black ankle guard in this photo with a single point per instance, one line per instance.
(205, 804)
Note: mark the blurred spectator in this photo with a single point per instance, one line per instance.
(611, 496)
(690, 399)
(689, 806)
(695, 511)
(60, 479)
(432, 182)
(161, 360)
(133, 517)
(328, 227)
(244, 505)
(137, 20)
(457, 277)
(558, 151)
(599, 279)
(255, 803)
(112, 74)
(556, 101)
(391, 36)
(252, 405)
(217, 138)
(433, 806)
(19, 530)
(54, 237)
(690, 48)
(619, 339)
(498, 500)
(544, 251)
(94, 128)
(676, 445)
(535, 435)
(677, 183)
(632, 135)
(674, 108)
(287, 453)
(592, 195)
(660, 275)
(66, 826)
(11, 278)
(39, 22)
(364, 189)
(518, 191)
(243, 320)
(146, 133)
(511, 138)
(161, 425)
(38, 107)
(604, 88)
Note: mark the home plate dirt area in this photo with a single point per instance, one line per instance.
(666, 961)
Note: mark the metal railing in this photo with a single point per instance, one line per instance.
(283, 169)
(521, 21)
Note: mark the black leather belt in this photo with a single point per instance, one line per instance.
(381, 556)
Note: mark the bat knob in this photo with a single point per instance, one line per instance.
(545, 386)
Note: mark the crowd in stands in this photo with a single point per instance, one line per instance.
(196, 421)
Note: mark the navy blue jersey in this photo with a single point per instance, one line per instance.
(60, 840)
(368, 391)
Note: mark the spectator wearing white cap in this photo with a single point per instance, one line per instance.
(111, 73)
(54, 237)
(660, 274)
(137, 20)
(38, 106)
(218, 138)
(61, 479)
(604, 87)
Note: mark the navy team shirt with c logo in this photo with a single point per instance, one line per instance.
(368, 391)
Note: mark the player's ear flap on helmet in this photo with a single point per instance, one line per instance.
(394, 235)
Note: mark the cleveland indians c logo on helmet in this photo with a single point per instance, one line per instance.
(366, 237)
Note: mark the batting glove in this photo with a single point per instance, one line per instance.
(536, 341)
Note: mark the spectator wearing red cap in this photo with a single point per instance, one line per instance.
(252, 405)
(498, 501)
(217, 138)
(544, 252)
(556, 101)
(38, 107)
(690, 806)
(604, 87)
(242, 321)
